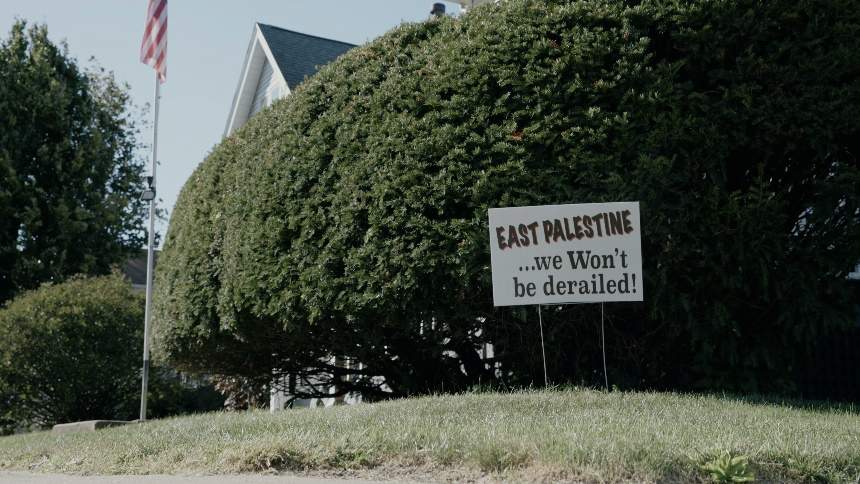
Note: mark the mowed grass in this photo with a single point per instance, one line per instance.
(547, 435)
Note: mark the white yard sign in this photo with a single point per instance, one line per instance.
(581, 253)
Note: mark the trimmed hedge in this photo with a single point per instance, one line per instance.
(71, 352)
(348, 223)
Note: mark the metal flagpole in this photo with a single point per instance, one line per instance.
(150, 252)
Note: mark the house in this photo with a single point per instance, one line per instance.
(276, 62)
(135, 270)
(467, 4)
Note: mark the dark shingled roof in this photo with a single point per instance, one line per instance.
(298, 55)
(135, 269)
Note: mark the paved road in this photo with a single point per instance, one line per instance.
(36, 478)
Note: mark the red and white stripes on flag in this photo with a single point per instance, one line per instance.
(153, 50)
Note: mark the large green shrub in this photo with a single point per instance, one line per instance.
(71, 352)
(348, 223)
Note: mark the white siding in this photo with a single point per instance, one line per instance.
(262, 96)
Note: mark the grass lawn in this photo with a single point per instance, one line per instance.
(549, 435)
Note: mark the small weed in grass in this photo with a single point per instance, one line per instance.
(349, 459)
(497, 458)
(728, 468)
(263, 459)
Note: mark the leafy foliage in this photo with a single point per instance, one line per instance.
(71, 352)
(728, 468)
(68, 165)
(341, 235)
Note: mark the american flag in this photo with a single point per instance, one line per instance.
(153, 50)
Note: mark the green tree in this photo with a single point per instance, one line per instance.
(342, 234)
(68, 165)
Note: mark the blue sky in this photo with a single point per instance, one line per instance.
(207, 41)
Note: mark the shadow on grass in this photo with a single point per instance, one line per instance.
(823, 406)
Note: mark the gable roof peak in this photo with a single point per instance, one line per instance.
(298, 55)
(293, 56)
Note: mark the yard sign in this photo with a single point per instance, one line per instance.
(582, 253)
